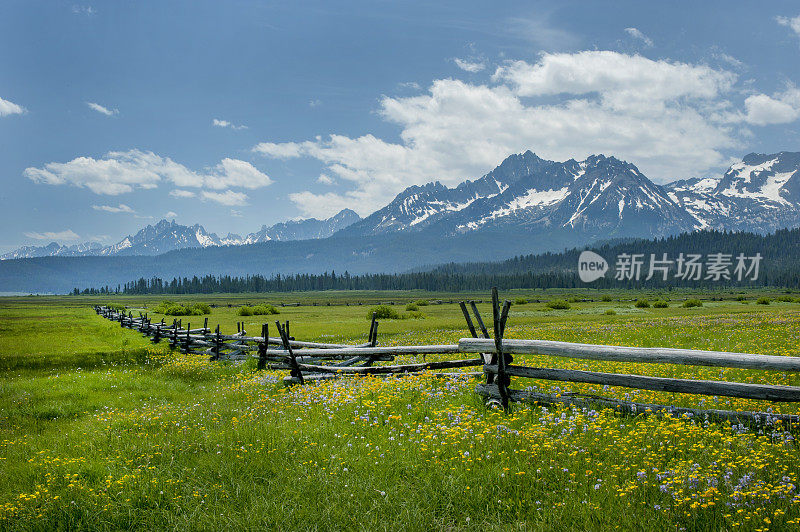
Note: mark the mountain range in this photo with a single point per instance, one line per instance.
(600, 197)
(525, 205)
(168, 236)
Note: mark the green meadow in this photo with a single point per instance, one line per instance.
(101, 429)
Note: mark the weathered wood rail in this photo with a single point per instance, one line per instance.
(316, 361)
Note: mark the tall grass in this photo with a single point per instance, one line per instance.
(103, 430)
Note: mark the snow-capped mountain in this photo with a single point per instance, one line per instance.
(558, 202)
(168, 235)
(761, 193)
(303, 229)
(53, 249)
(601, 196)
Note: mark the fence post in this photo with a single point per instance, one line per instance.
(262, 348)
(373, 330)
(295, 372)
(487, 359)
(469, 320)
(217, 345)
(174, 340)
(480, 321)
(502, 380)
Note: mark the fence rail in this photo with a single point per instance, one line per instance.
(317, 361)
(650, 355)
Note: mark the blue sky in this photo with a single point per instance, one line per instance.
(242, 113)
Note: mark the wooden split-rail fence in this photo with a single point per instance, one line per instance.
(310, 361)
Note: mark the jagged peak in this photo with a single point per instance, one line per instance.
(344, 212)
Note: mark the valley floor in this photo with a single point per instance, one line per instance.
(100, 429)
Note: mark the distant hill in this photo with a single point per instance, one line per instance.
(385, 253)
(779, 266)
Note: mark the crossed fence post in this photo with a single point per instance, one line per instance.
(295, 371)
(498, 359)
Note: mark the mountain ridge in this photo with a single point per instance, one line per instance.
(603, 196)
(166, 235)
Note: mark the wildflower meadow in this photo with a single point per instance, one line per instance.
(100, 429)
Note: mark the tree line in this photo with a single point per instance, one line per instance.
(780, 267)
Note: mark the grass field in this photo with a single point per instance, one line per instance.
(101, 429)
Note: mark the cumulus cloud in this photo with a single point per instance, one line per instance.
(791, 23)
(780, 108)
(637, 34)
(672, 119)
(236, 173)
(621, 80)
(10, 108)
(102, 110)
(67, 234)
(171, 214)
(110, 208)
(224, 123)
(122, 172)
(469, 66)
(228, 197)
(325, 179)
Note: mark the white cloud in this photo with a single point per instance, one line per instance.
(671, 119)
(621, 80)
(236, 173)
(325, 179)
(236, 214)
(67, 234)
(10, 108)
(170, 214)
(228, 198)
(637, 34)
(781, 108)
(314, 103)
(100, 109)
(122, 172)
(284, 150)
(224, 123)
(469, 66)
(180, 193)
(110, 208)
(791, 23)
(322, 205)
